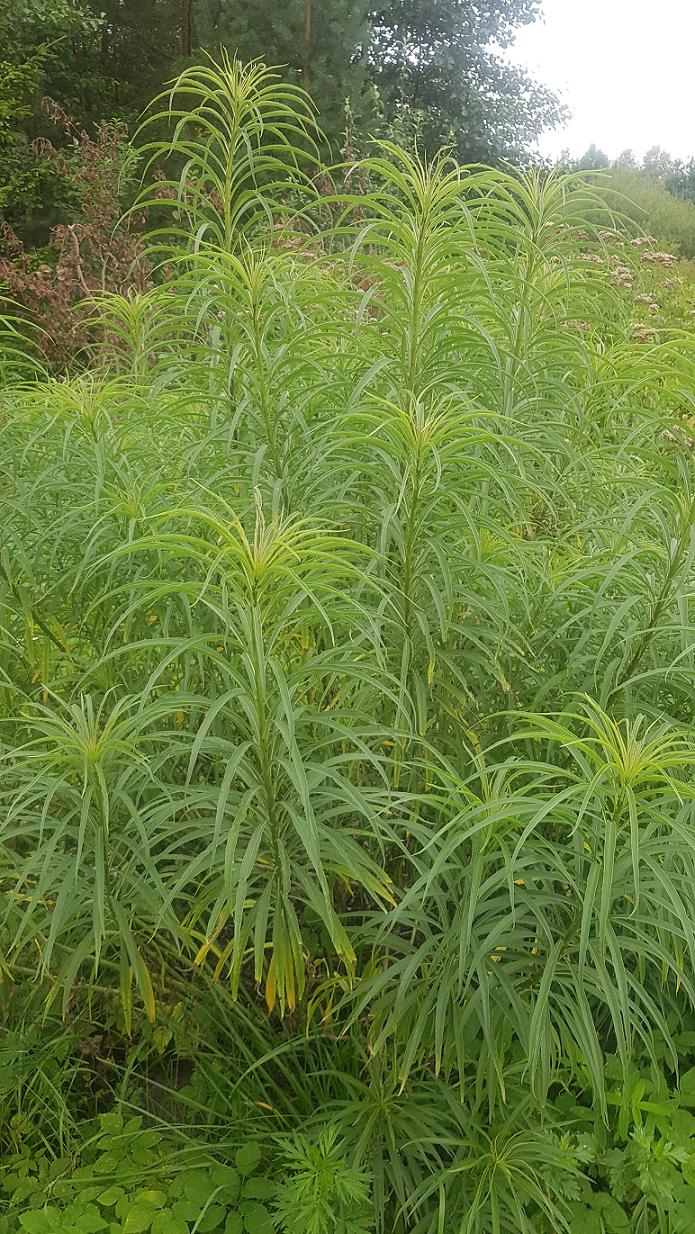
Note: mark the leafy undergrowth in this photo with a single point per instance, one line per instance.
(346, 671)
(105, 1191)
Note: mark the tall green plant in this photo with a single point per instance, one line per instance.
(241, 138)
(346, 663)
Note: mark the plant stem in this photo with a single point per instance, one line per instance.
(663, 598)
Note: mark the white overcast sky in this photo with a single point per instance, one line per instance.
(626, 69)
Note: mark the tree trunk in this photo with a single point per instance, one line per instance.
(186, 28)
(307, 41)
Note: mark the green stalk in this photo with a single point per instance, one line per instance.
(264, 760)
(228, 187)
(416, 303)
(409, 547)
(663, 598)
(263, 392)
(521, 318)
(263, 753)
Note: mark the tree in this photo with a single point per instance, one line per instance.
(593, 160)
(114, 68)
(33, 38)
(439, 63)
(676, 175)
(680, 180)
(657, 162)
(432, 69)
(436, 65)
(101, 60)
(21, 175)
(323, 44)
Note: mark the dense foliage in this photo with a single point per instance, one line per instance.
(415, 66)
(677, 176)
(346, 667)
(654, 193)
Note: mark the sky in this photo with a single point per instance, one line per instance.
(625, 68)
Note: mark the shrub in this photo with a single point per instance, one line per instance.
(655, 210)
(88, 254)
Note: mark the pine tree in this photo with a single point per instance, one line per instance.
(322, 44)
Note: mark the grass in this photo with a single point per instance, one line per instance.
(346, 667)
